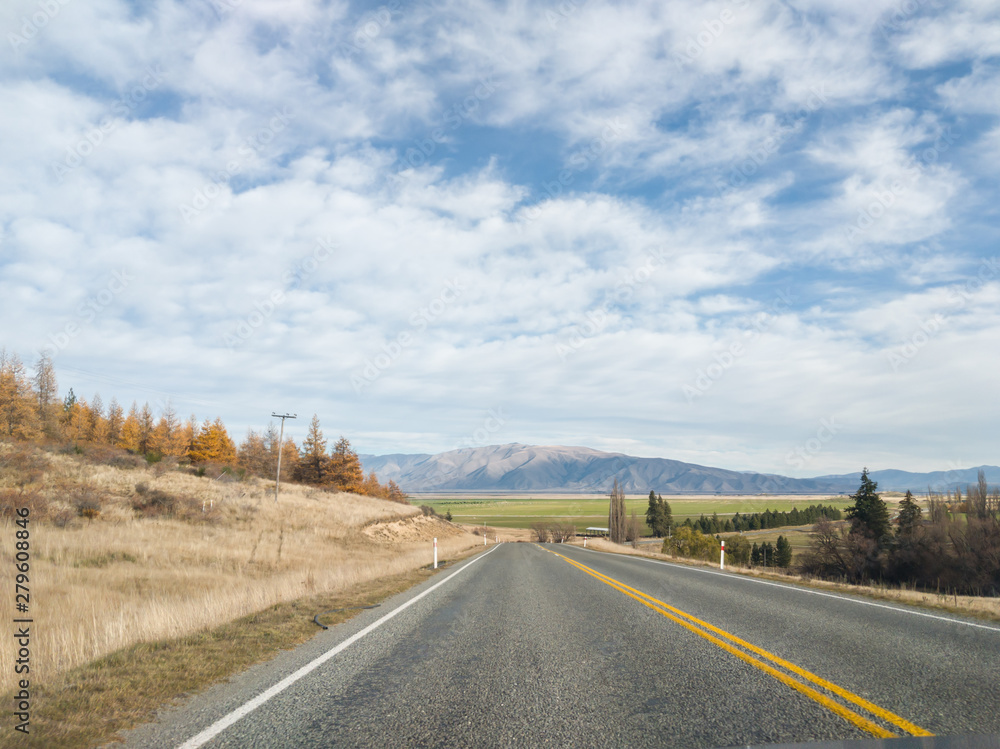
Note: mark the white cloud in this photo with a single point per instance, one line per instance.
(280, 235)
(963, 33)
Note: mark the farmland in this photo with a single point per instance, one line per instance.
(520, 511)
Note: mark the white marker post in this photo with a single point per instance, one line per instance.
(585, 542)
(435, 553)
(722, 557)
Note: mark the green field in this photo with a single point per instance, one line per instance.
(584, 511)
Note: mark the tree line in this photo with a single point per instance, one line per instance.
(954, 547)
(31, 410)
(763, 520)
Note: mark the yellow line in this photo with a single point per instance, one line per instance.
(849, 696)
(857, 720)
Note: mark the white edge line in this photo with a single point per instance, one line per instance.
(786, 586)
(248, 707)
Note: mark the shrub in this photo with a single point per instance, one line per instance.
(108, 455)
(562, 532)
(541, 531)
(687, 542)
(62, 518)
(737, 551)
(87, 503)
(23, 466)
(11, 500)
(153, 502)
(169, 463)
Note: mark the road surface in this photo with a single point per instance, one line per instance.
(529, 645)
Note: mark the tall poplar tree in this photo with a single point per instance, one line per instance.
(616, 514)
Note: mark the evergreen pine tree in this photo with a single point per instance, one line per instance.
(654, 514)
(767, 554)
(909, 514)
(868, 514)
(782, 553)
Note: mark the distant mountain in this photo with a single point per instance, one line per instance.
(891, 480)
(532, 468)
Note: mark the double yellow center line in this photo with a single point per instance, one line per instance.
(709, 632)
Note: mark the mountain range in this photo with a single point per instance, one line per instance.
(531, 468)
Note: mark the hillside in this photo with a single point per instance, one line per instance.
(133, 552)
(518, 467)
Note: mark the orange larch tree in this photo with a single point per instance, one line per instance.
(131, 431)
(18, 417)
(168, 438)
(98, 426)
(313, 466)
(346, 474)
(115, 420)
(213, 444)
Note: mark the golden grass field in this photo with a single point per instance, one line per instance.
(101, 585)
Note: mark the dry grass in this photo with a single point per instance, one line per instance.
(974, 606)
(127, 687)
(226, 552)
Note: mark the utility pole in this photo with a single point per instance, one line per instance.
(281, 447)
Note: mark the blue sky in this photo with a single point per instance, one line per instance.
(755, 235)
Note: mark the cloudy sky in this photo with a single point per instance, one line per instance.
(748, 234)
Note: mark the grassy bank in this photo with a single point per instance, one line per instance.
(122, 557)
(87, 705)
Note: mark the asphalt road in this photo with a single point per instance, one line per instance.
(523, 647)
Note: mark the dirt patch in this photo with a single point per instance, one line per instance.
(494, 533)
(418, 528)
